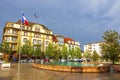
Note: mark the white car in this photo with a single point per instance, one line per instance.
(63, 60)
(24, 61)
(30, 61)
(37, 60)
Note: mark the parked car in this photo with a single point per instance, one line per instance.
(23, 61)
(63, 60)
(80, 60)
(37, 60)
(31, 61)
(75, 60)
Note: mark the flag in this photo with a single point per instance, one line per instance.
(35, 15)
(24, 20)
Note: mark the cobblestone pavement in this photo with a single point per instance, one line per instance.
(27, 72)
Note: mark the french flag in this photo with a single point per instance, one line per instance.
(24, 20)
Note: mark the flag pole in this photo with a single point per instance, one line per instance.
(18, 74)
(23, 20)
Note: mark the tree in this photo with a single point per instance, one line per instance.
(27, 48)
(56, 52)
(1, 47)
(87, 54)
(7, 50)
(78, 53)
(72, 52)
(95, 56)
(64, 52)
(49, 51)
(111, 47)
(37, 51)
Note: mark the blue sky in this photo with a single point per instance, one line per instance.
(83, 20)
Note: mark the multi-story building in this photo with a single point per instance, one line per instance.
(95, 46)
(69, 42)
(16, 35)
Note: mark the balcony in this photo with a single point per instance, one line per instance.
(10, 34)
(9, 41)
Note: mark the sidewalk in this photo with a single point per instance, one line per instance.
(27, 72)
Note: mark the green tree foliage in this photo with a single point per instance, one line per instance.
(27, 48)
(6, 48)
(111, 47)
(64, 52)
(56, 52)
(49, 51)
(72, 53)
(78, 53)
(87, 54)
(37, 51)
(1, 47)
(95, 56)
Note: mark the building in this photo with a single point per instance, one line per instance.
(69, 42)
(95, 46)
(16, 36)
(36, 33)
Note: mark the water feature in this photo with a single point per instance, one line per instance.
(71, 64)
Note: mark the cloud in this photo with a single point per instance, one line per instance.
(115, 10)
(79, 19)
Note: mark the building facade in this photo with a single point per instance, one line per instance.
(95, 46)
(16, 35)
(68, 42)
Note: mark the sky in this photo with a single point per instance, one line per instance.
(84, 21)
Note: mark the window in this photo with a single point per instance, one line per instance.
(46, 47)
(39, 36)
(47, 37)
(31, 28)
(35, 47)
(23, 27)
(36, 29)
(13, 46)
(39, 41)
(25, 33)
(8, 31)
(47, 42)
(27, 28)
(11, 25)
(14, 32)
(7, 39)
(14, 38)
(39, 30)
(24, 39)
(36, 35)
(34, 41)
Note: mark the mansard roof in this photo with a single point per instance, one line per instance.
(32, 23)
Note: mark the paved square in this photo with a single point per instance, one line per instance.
(27, 72)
